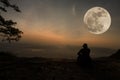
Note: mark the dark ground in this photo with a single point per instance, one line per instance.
(47, 69)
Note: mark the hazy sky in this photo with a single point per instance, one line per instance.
(60, 22)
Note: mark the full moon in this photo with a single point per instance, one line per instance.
(98, 20)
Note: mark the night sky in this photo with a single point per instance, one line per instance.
(55, 28)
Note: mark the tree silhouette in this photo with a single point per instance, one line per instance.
(8, 31)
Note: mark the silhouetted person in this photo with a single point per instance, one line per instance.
(84, 56)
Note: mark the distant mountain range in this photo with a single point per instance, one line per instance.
(67, 52)
(101, 52)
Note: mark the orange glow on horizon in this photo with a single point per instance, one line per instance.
(50, 37)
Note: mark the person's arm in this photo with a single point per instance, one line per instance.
(79, 53)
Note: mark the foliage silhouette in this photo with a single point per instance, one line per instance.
(8, 31)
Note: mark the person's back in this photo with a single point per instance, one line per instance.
(85, 52)
(84, 56)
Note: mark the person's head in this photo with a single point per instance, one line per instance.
(85, 45)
